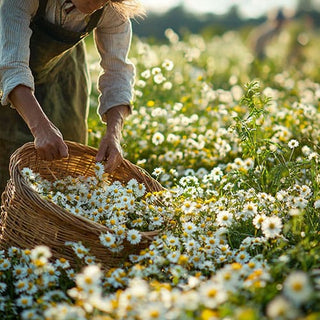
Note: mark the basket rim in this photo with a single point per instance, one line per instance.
(16, 176)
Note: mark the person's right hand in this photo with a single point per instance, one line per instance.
(48, 139)
(49, 142)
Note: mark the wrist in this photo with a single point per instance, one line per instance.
(121, 110)
(115, 119)
(38, 125)
(113, 133)
(29, 109)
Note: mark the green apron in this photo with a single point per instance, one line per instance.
(62, 85)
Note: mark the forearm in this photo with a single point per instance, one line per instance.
(110, 148)
(115, 120)
(48, 139)
(15, 33)
(28, 107)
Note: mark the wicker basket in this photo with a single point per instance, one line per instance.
(28, 220)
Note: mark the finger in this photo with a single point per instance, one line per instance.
(49, 156)
(113, 162)
(63, 151)
(45, 154)
(102, 153)
(41, 154)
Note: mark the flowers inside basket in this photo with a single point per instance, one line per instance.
(71, 200)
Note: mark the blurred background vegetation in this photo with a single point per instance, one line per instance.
(212, 60)
(185, 22)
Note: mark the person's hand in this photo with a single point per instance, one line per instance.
(48, 139)
(49, 142)
(110, 150)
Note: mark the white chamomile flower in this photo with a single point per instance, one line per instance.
(157, 138)
(157, 171)
(224, 218)
(167, 85)
(99, 170)
(3, 287)
(28, 173)
(174, 256)
(189, 227)
(280, 308)
(133, 236)
(168, 65)
(297, 287)
(292, 144)
(172, 241)
(146, 74)
(24, 301)
(107, 239)
(258, 220)
(40, 252)
(317, 204)
(212, 294)
(156, 70)
(242, 257)
(271, 227)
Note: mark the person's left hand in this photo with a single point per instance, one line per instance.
(110, 149)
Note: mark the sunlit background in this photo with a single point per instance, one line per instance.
(248, 8)
(216, 17)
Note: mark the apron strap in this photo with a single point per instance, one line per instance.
(94, 19)
(42, 8)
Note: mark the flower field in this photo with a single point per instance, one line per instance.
(235, 143)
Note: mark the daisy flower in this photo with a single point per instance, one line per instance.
(258, 220)
(167, 85)
(157, 138)
(292, 144)
(24, 301)
(271, 227)
(99, 170)
(167, 64)
(242, 257)
(153, 311)
(174, 256)
(157, 171)
(134, 236)
(189, 227)
(212, 295)
(300, 202)
(146, 74)
(317, 204)
(40, 252)
(159, 78)
(30, 314)
(89, 278)
(155, 70)
(224, 218)
(28, 173)
(3, 287)
(20, 271)
(107, 239)
(4, 264)
(281, 308)
(172, 241)
(297, 287)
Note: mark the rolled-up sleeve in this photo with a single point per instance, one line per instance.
(15, 33)
(113, 39)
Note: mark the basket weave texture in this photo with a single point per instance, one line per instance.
(28, 220)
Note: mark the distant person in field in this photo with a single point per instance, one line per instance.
(301, 34)
(264, 34)
(44, 79)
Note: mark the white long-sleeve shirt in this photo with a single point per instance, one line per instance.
(112, 37)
